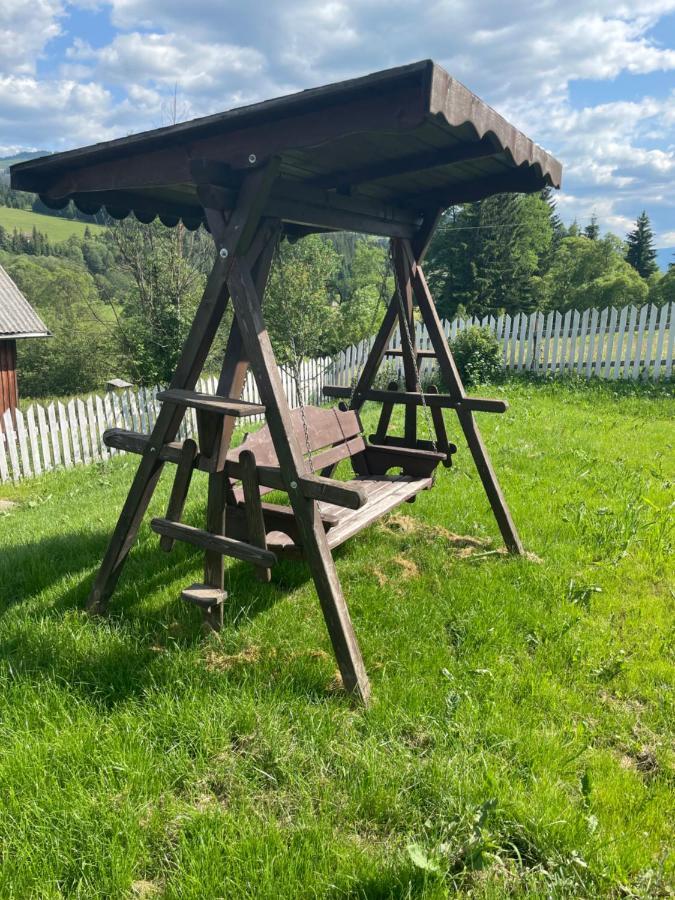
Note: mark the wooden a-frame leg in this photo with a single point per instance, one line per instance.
(407, 328)
(466, 417)
(246, 214)
(258, 347)
(230, 384)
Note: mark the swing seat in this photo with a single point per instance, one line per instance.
(333, 435)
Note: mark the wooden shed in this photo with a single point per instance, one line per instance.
(18, 320)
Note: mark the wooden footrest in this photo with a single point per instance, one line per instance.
(215, 542)
(204, 596)
(223, 406)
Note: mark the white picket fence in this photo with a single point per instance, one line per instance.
(71, 433)
(610, 343)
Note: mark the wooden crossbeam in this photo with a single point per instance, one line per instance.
(414, 162)
(414, 398)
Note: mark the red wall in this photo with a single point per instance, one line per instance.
(8, 392)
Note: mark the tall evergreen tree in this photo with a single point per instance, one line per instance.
(592, 230)
(640, 251)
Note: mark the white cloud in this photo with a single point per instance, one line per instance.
(519, 56)
(25, 29)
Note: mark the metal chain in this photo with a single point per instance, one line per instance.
(296, 361)
(413, 355)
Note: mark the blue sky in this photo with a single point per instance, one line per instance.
(593, 81)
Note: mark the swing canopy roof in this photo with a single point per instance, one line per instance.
(371, 154)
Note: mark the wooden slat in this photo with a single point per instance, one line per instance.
(224, 406)
(214, 542)
(444, 401)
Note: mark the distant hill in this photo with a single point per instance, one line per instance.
(57, 229)
(7, 161)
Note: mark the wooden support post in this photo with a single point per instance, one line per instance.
(255, 521)
(385, 416)
(181, 485)
(250, 201)
(407, 327)
(231, 384)
(258, 347)
(451, 375)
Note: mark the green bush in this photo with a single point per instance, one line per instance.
(477, 354)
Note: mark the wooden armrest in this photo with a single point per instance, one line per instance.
(312, 486)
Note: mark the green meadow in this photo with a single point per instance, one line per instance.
(520, 736)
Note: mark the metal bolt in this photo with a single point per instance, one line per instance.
(294, 484)
(223, 253)
(153, 449)
(252, 158)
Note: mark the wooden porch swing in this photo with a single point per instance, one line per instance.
(385, 155)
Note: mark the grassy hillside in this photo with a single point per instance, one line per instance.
(520, 739)
(55, 228)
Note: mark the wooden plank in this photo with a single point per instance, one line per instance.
(649, 347)
(253, 512)
(93, 428)
(33, 438)
(217, 543)
(43, 434)
(440, 401)
(630, 337)
(64, 430)
(658, 356)
(100, 426)
(394, 493)
(668, 362)
(620, 333)
(12, 444)
(223, 406)
(591, 349)
(583, 334)
(414, 162)
(611, 329)
(600, 349)
(179, 490)
(54, 434)
(259, 351)
(22, 437)
(637, 350)
(385, 414)
(83, 429)
(406, 324)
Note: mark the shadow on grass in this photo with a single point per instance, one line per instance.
(123, 654)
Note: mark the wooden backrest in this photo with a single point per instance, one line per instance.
(336, 433)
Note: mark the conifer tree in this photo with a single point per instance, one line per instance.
(640, 251)
(592, 230)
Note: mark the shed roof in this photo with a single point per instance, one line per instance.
(18, 319)
(399, 142)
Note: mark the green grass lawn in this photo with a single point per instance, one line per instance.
(55, 228)
(520, 738)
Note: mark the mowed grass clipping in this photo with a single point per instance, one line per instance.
(56, 229)
(520, 738)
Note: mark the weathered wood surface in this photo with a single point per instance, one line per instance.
(223, 406)
(253, 510)
(261, 356)
(224, 546)
(252, 197)
(413, 398)
(179, 490)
